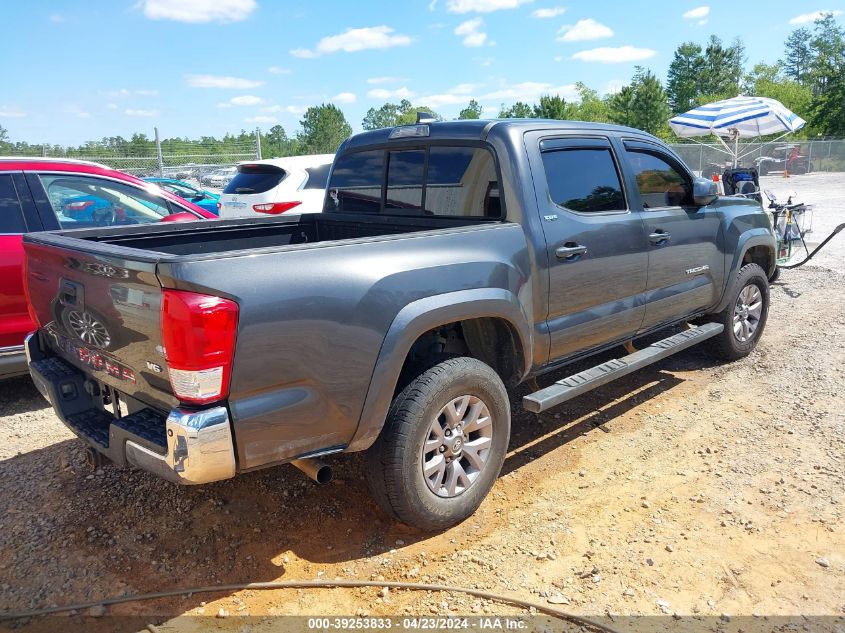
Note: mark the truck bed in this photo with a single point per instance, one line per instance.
(223, 236)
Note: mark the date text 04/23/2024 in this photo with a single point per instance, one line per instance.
(432, 623)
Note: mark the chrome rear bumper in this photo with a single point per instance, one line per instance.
(186, 447)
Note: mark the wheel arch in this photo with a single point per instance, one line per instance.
(491, 311)
(756, 246)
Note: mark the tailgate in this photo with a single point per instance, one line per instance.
(102, 314)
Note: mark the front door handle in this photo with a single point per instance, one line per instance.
(570, 251)
(659, 237)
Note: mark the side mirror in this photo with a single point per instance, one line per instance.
(199, 196)
(704, 191)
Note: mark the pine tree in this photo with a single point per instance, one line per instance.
(472, 111)
(518, 110)
(799, 56)
(552, 107)
(682, 83)
(324, 128)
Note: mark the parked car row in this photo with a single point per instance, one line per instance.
(50, 194)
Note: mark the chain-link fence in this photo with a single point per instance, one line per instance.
(144, 157)
(794, 156)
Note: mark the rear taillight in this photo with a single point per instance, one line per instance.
(198, 332)
(275, 208)
(218, 207)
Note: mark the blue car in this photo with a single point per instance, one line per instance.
(203, 199)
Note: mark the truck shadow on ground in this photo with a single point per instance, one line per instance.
(87, 536)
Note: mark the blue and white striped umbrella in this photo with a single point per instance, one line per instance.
(750, 116)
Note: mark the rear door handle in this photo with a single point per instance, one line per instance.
(659, 237)
(570, 251)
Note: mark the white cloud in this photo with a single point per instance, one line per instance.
(198, 11)
(57, 18)
(374, 81)
(353, 40)
(700, 14)
(399, 93)
(76, 111)
(472, 33)
(216, 81)
(432, 5)
(345, 97)
(613, 86)
(551, 12)
(807, 18)
(125, 92)
(140, 113)
(583, 30)
(484, 61)
(111, 106)
(10, 112)
(615, 55)
(459, 94)
(242, 100)
(482, 6)
(261, 119)
(289, 109)
(531, 90)
(278, 70)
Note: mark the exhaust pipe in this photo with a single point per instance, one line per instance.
(315, 469)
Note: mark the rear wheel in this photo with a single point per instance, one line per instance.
(744, 317)
(443, 445)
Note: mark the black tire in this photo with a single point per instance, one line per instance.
(775, 275)
(395, 461)
(727, 345)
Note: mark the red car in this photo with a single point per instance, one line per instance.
(47, 194)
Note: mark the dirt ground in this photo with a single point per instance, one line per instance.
(688, 488)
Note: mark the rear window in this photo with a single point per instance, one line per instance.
(11, 220)
(255, 179)
(455, 181)
(317, 176)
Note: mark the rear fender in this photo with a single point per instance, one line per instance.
(414, 320)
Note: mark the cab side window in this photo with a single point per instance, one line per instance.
(584, 179)
(659, 181)
(11, 218)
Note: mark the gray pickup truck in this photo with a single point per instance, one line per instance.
(452, 261)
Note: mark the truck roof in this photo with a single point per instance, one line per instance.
(479, 129)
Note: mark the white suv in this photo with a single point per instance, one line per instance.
(276, 185)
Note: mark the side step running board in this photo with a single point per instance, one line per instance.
(599, 375)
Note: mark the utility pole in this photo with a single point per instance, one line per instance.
(159, 156)
(258, 143)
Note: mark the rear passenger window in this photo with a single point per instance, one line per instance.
(584, 179)
(660, 183)
(356, 182)
(11, 218)
(462, 181)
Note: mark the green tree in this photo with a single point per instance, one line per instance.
(518, 110)
(4, 139)
(766, 80)
(277, 142)
(472, 111)
(591, 107)
(828, 113)
(392, 114)
(684, 79)
(722, 71)
(642, 104)
(828, 46)
(324, 128)
(552, 107)
(798, 58)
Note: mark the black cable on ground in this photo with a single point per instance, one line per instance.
(316, 584)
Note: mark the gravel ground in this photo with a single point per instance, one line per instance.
(688, 488)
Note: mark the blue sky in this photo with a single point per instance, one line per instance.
(79, 70)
